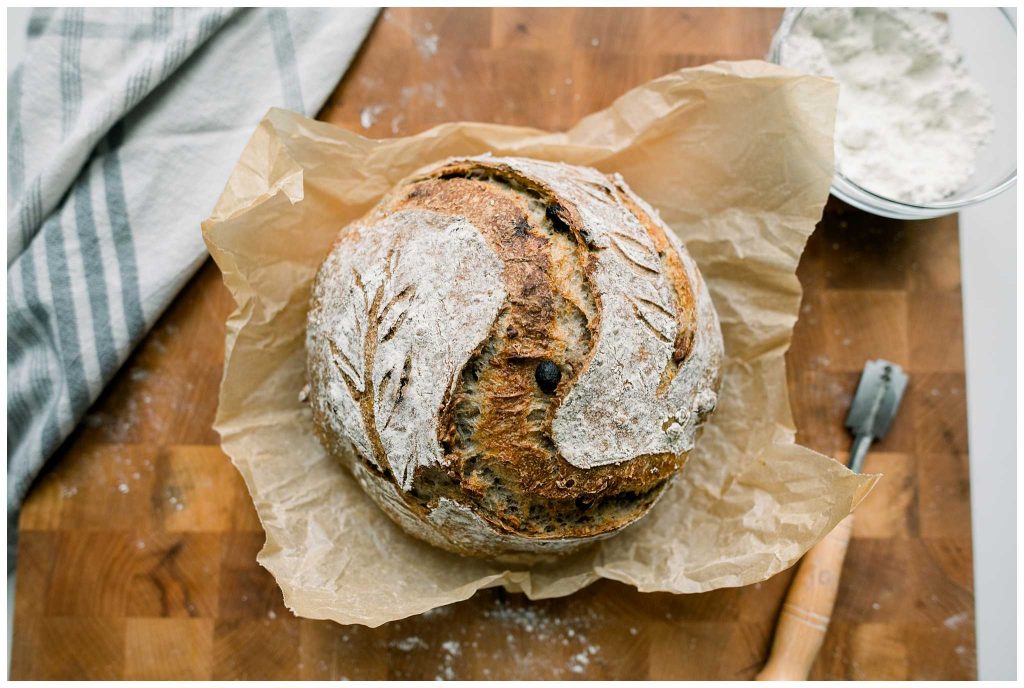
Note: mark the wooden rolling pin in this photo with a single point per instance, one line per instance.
(812, 595)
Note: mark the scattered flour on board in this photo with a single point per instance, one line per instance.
(512, 639)
(396, 124)
(409, 644)
(955, 620)
(911, 119)
(427, 44)
(174, 498)
(368, 115)
(156, 400)
(432, 93)
(426, 40)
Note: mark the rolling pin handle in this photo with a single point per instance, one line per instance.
(808, 608)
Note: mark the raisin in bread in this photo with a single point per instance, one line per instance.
(513, 357)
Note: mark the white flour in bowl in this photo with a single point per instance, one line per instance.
(911, 119)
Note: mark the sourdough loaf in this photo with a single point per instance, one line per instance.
(512, 357)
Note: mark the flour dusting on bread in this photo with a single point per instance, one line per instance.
(398, 319)
(512, 356)
(615, 411)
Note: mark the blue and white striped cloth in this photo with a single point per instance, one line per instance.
(122, 127)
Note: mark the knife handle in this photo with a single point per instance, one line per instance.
(808, 608)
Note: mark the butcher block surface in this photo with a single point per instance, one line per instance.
(137, 557)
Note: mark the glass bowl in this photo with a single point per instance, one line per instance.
(987, 39)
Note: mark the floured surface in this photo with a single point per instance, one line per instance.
(737, 160)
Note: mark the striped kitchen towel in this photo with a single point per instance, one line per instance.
(122, 127)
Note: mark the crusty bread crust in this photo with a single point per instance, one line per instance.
(428, 321)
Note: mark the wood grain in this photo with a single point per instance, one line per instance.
(158, 578)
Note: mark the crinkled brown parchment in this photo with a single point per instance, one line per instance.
(737, 157)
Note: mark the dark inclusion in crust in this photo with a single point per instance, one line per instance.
(548, 376)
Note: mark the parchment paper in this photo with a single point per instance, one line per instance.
(737, 157)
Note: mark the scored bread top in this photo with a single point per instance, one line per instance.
(432, 316)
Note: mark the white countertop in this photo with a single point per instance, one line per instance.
(988, 263)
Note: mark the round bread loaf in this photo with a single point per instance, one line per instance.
(513, 357)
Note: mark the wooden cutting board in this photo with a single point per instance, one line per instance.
(138, 550)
